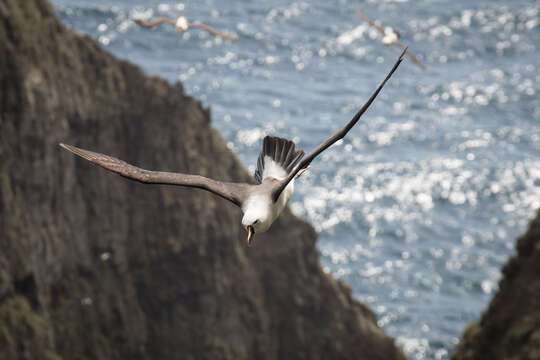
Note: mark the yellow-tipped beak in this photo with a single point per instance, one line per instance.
(251, 232)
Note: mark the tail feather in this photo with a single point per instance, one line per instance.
(287, 153)
(297, 156)
(282, 152)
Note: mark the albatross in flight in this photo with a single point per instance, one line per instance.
(278, 165)
(391, 37)
(182, 25)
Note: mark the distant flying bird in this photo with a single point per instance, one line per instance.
(276, 170)
(391, 37)
(182, 25)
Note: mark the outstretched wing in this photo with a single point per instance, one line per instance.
(364, 17)
(340, 134)
(234, 192)
(213, 32)
(154, 22)
(410, 55)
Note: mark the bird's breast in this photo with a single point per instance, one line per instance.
(181, 23)
(283, 199)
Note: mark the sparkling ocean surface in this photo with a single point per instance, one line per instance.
(419, 206)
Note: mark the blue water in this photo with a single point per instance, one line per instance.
(419, 207)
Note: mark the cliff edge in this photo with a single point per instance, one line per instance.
(93, 266)
(510, 327)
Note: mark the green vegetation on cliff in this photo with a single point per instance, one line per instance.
(510, 327)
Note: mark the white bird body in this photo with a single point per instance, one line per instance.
(181, 24)
(390, 37)
(260, 211)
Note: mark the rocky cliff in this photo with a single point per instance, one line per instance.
(510, 327)
(93, 266)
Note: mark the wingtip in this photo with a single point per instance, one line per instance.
(66, 147)
(403, 53)
(73, 150)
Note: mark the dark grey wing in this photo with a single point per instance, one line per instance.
(282, 151)
(340, 134)
(213, 32)
(154, 22)
(234, 192)
(410, 55)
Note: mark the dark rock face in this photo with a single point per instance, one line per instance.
(93, 266)
(510, 327)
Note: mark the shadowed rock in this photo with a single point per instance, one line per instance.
(93, 266)
(510, 327)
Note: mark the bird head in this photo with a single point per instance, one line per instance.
(252, 227)
(257, 219)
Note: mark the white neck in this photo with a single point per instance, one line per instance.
(261, 207)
